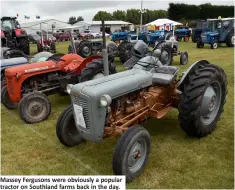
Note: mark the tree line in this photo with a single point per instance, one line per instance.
(181, 12)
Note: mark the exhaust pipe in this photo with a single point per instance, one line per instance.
(105, 52)
(72, 41)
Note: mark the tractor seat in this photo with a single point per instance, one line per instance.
(164, 75)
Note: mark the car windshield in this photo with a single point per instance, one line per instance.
(6, 25)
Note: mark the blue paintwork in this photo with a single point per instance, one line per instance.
(5, 63)
(183, 32)
(120, 36)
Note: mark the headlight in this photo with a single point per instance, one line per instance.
(69, 88)
(105, 100)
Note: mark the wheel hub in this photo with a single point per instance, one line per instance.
(165, 55)
(215, 45)
(86, 49)
(35, 109)
(211, 103)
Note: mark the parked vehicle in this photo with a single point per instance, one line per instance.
(118, 104)
(13, 36)
(222, 31)
(183, 33)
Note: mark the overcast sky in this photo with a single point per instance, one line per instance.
(62, 10)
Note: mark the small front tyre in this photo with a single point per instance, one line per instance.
(34, 107)
(184, 58)
(66, 130)
(6, 101)
(214, 45)
(131, 153)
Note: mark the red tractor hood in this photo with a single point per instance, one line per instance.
(31, 68)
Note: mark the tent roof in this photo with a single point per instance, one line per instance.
(162, 21)
(111, 22)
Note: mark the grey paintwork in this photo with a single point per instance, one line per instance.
(5, 63)
(184, 74)
(88, 94)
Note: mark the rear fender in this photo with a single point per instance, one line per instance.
(188, 71)
(77, 65)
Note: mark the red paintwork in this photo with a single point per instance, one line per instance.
(2, 34)
(15, 76)
(18, 32)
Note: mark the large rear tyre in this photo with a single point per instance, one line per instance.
(66, 130)
(24, 45)
(34, 107)
(95, 70)
(230, 41)
(202, 99)
(112, 49)
(124, 50)
(131, 153)
(6, 101)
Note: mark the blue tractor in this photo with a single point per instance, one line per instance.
(183, 33)
(196, 32)
(157, 36)
(221, 31)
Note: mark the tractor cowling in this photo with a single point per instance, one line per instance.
(20, 32)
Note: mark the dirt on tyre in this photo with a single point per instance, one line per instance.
(131, 153)
(5, 99)
(66, 130)
(34, 107)
(202, 99)
(24, 45)
(124, 50)
(95, 70)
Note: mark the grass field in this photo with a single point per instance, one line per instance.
(176, 160)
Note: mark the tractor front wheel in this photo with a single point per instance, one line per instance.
(131, 153)
(214, 45)
(66, 130)
(85, 49)
(184, 58)
(24, 45)
(202, 99)
(166, 56)
(34, 107)
(6, 101)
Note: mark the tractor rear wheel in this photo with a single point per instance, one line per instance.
(184, 58)
(6, 101)
(34, 107)
(95, 69)
(85, 49)
(166, 56)
(200, 44)
(230, 41)
(132, 152)
(124, 50)
(202, 99)
(112, 49)
(66, 130)
(24, 45)
(12, 53)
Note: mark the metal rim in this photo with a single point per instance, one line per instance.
(215, 45)
(165, 56)
(211, 103)
(137, 155)
(86, 50)
(36, 108)
(233, 40)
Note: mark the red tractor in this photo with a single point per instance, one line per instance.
(13, 36)
(30, 84)
(46, 43)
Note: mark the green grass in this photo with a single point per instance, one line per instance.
(176, 160)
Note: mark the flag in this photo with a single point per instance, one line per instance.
(26, 17)
(37, 17)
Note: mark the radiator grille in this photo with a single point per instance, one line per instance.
(84, 104)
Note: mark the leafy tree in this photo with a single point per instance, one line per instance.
(102, 15)
(72, 20)
(119, 15)
(80, 18)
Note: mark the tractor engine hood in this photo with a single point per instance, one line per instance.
(211, 33)
(181, 30)
(87, 95)
(30, 68)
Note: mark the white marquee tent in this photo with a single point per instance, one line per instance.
(162, 21)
